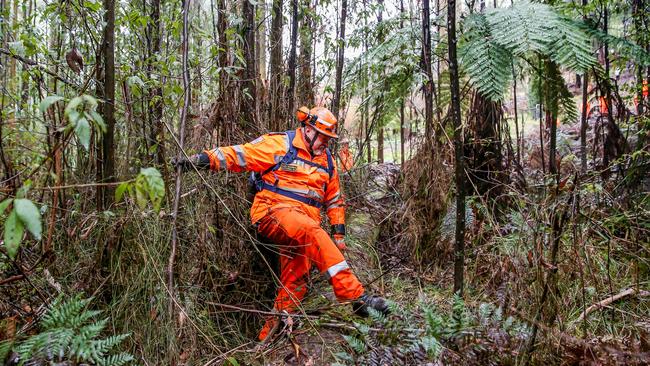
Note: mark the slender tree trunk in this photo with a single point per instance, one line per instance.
(379, 106)
(584, 124)
(401, 106)
(336, 102)
(367, 131)
(276, 85)
(305, 91)
(425, 64)
(261, 41)
(156, 93)
(250, 73)
(551, 120)
(292, 56)
(181, 137)
(459, 246)
(107, 165)
(514, 93)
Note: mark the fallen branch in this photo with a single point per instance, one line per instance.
(608, 301)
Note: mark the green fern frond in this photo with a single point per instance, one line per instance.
(356, 344)
(487, 63)
(115, 360)
(621, 45)
(523, 28)
(377, 316)
(572, 47)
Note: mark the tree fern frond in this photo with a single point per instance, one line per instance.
(487, 62)
(623, 46)
(572, 48)
(524, 27)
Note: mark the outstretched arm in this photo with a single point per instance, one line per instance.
(257, 155)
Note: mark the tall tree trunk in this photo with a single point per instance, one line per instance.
(551, 117)
(107, 159)
(379, 105)
(336, 102)
(181, 138)
(305, 91)
(261, 42)
(276, 85)
(367, 131)
(156, 92)
(459, 245)
(425, 64)
(250, 72)
(292, 57)
(401, 106)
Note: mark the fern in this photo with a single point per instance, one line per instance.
(484, 58)
(493, 40)
(68, 333)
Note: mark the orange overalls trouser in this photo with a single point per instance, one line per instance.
(303, 242)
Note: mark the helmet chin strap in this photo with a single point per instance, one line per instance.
(311, 141)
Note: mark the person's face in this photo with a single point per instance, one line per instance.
(320, 140)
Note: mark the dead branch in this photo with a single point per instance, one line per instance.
(609, 300)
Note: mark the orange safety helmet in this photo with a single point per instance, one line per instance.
(319, 118)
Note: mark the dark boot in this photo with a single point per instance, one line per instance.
(365, 301)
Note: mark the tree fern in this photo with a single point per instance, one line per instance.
(486, 61)
(492, 40)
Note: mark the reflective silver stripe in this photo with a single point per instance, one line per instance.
(241, 158)
(222, 159)
(304, 192)
(335, 269)
(333, 206)
(340, 240)
(334, 199)
(324, 122)
(286, 138)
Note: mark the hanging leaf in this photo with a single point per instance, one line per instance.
(30, 216)
(13, 234)
(120, 190)
(150, 182)
(82, 129)
(48, 101)
(4, 204)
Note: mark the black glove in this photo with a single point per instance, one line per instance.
(201, 161)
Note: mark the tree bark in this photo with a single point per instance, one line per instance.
(276, 85)
(459, 244)
(336, 102)
(378, 114)
(305, 91)
(181, 137)
(107, 158)
(425, 64)
(292, 57)
(250, 72)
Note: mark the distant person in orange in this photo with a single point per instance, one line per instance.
(602, 103)
(295, 179)
(346, 161)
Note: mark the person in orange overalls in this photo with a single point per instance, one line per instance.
(295, 178)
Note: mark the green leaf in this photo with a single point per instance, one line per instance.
(13, 234)
(99, 120)
(232, 361)
(141, 193)
(82, 129)
(150, 181)
(29, 215)
(73, 104)
(119, 192)
(4, 204)
(22, 191)
(48, 101)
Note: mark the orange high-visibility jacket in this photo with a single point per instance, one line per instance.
(297, 177)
